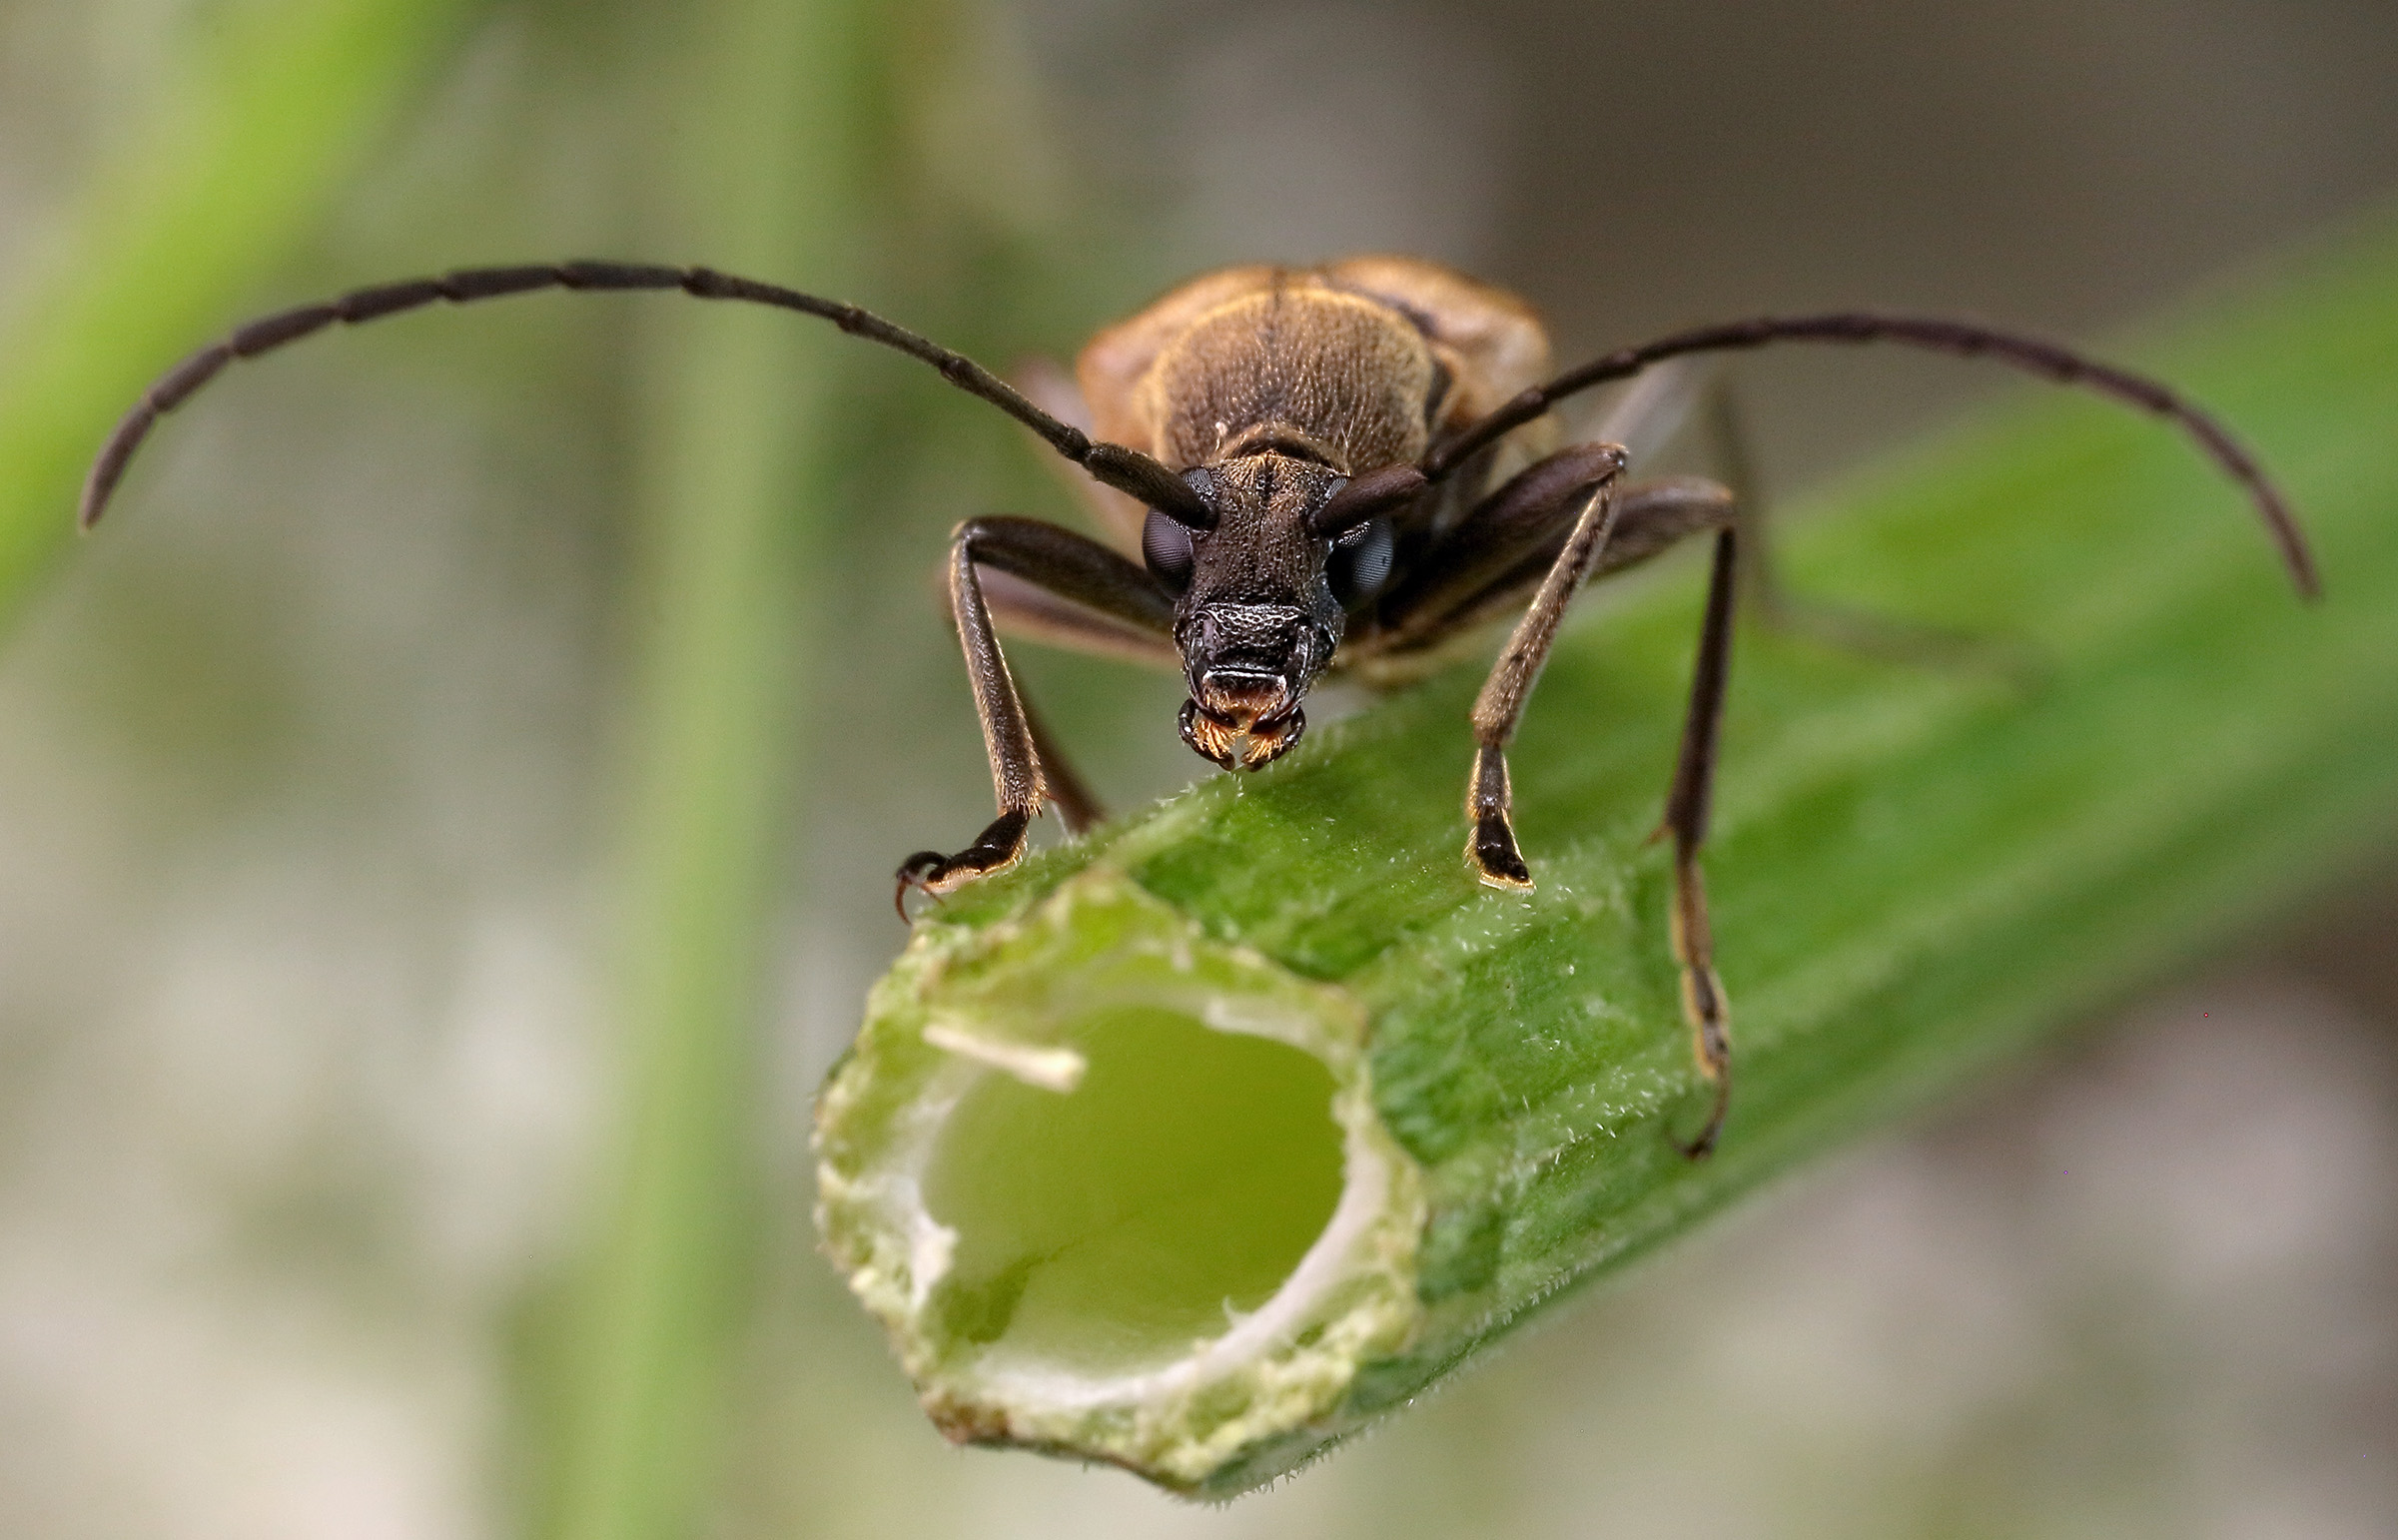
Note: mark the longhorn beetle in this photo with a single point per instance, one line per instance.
(1317, 469)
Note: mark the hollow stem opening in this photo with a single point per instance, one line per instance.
(1126, 1196)
(1109, 1228)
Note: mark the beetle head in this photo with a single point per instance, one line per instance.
(1262, 594)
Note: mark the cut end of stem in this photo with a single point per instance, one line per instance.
(1123, 1195)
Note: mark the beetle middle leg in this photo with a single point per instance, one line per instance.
(1045, 562)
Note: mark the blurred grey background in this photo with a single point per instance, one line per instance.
(304, 796)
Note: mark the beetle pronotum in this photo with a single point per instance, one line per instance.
(1316, 468)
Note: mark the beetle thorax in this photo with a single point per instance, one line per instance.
(1323, 374)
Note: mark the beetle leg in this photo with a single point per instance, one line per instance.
(1021, 608)
(1074, 568)
(1500, 706)
(1527, 518)
(1496, 556)
(1686, 807)
(1611, 532)
(1077, 808)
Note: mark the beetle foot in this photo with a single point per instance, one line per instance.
(1703, 1146)
(995, 849)
(1710, 1018)
(1494, 856)
(1491, 847)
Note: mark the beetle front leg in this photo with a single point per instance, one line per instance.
(1007, 737)
(1490, 800)
(1076, 569)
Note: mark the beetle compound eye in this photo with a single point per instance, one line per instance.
(1360, 562)
(1165, 546)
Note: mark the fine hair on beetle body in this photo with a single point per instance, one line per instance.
(1345, 467)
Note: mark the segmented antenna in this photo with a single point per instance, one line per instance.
(1964, 338)
(1126, 470)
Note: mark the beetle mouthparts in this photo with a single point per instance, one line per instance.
(1241, 745)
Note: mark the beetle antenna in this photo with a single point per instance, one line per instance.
(1126, 470)
(1964, 339)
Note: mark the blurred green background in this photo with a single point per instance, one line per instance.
(445, 816)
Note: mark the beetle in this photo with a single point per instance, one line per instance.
(1308, 469)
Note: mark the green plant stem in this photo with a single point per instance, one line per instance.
(235, 170)
(732, 477)
(1913, 872)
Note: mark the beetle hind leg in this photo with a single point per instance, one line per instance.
(1704, 1004)
(1686, 808)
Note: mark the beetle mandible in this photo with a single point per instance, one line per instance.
(1317, 469)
